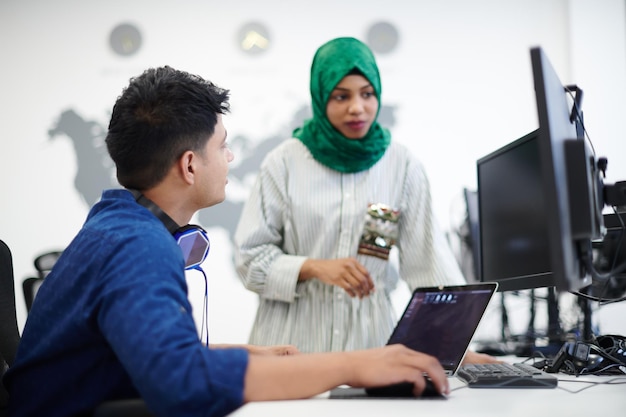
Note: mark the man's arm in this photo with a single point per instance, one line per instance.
(306, 375)
(278, 350)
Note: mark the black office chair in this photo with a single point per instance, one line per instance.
(9, 332)
(43, 264)
(30, 286)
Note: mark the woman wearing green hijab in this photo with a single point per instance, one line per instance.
(332, 62)
(329, 208)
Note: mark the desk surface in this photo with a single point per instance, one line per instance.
(584, 396)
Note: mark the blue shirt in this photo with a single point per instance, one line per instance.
(112, 321)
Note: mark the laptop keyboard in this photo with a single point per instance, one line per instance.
(505, 375)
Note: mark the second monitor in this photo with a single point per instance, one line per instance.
(539, 207)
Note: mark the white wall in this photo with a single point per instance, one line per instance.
(460, 81)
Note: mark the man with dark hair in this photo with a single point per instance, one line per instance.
(113, 321)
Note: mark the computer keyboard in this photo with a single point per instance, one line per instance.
(505, 375)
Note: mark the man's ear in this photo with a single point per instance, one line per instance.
(186, 166)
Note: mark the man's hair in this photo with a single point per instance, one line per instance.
(160, 115)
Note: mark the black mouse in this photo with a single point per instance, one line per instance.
(403, 390)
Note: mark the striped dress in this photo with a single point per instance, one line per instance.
(300, 209)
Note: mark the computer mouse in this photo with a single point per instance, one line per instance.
(403, 390)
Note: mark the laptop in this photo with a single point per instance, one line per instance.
(440, 321)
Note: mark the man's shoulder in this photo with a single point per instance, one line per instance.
(121, 222)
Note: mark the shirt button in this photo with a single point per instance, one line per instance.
(339, 296)
(336, 332)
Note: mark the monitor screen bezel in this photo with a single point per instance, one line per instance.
(521, 281)
(556, 128)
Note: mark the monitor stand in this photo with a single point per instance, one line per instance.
(504, 346)
(585, 305)
(526, 345)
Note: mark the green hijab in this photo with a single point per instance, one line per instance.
(333, 61)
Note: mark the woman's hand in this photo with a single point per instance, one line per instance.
(347, 273)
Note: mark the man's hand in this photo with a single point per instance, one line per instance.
(346, 273)
(394, 364)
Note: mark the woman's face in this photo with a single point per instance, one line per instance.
(352, 106)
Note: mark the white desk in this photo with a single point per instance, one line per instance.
(607, 399)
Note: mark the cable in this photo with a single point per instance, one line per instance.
(205, 308)
(570, 89)
(613, 381)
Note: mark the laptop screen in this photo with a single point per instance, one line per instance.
(441, 321)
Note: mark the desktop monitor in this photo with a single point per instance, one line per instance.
(514, 249)
(472, 237)
(539, 205)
